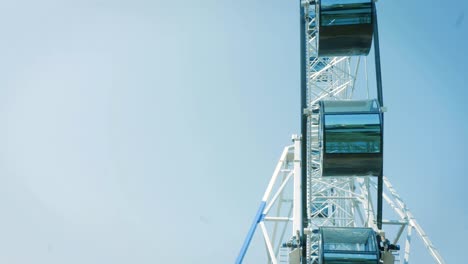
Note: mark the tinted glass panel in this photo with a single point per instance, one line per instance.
(349, 245)
(349, 239)
(351, 106)
(343, 259)
(352, 133)
(345, 12)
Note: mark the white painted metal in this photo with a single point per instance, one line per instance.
(277, 194)
(297, 192)
(413, 223)
(408, 245)
(268, 243)
(276, 173)
(349, 202)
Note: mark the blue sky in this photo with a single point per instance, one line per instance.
(146, 131)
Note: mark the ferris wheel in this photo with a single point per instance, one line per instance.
(325, 200)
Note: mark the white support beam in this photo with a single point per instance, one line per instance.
(276, 172)
(297, 191)
(412, 221)
(277, 194)
(277, 219)
(268, 243)
(408, 245)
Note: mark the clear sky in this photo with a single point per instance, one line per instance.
(146, 131)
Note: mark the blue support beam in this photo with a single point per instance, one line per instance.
(258, 218)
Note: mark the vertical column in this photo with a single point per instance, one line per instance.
(303, 89)
(297, 192)
(378, 75)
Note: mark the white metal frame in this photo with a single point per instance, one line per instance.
(339, 201)
(352, 203)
